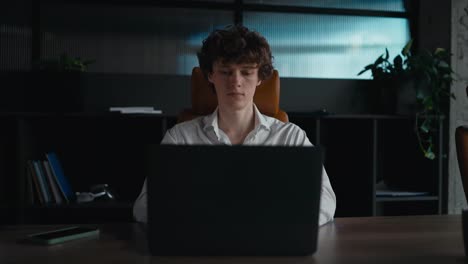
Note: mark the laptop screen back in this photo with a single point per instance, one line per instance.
(233, 200)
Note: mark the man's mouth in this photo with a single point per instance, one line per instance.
(235, 94)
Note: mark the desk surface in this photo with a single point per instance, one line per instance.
(408, 239)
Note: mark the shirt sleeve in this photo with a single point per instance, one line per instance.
(140, 211)
(170, 138)
(327, 195)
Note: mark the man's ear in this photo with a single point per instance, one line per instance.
(210, 74)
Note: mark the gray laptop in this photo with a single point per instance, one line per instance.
(233, 200)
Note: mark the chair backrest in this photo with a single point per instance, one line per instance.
(461, 143)
(204, 100)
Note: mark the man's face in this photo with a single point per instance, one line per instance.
(235, 84)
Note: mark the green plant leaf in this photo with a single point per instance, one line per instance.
(443, 64)
(429, 154)
(379, 60)
(425, 126)
(368, 67)
(398, 62)
(420, 95)
(439, 51)
(406, 49)
(432, 73)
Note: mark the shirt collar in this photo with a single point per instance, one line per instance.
(260, 120)
(211, 121)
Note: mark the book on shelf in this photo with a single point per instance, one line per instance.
(57, 172)
(383, 191)
(46, 183)
(52, 183)
(29, 188)
(30, 191)
(35, 182)
(390, 193)
(42, 182)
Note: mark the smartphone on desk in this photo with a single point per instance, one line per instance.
(63, 235)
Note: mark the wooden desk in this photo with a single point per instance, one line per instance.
(409, 239)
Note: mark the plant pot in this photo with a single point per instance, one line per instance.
(392, 97)
(54, 92)
(383, 98)
(406, 98)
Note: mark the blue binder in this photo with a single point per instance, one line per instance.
(57, 171)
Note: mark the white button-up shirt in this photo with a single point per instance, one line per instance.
(268, 131)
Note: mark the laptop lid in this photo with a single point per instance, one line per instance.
(233, 200)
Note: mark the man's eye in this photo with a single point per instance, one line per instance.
(224, 72)
(247, 73)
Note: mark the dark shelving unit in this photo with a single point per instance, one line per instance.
(362, 150)
(99, 148)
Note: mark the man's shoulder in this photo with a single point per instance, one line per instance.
(288, 133)
(276, 124)
(184, 132)
(188, 125)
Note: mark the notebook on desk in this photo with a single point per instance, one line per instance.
(233, 200)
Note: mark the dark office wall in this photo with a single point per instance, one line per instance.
(172, 93)
(434, 24)
(169, 93)
(335, 96)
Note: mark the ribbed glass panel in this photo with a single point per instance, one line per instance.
(124, 39)
(328, 46)
(217, 1)
(15, 36)
(376, 5)
(15, 48)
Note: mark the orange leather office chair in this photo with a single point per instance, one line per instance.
(461, 144)
(204, 100)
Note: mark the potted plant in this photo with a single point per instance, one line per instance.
(435, 79)
(64, 64)
(431, 76)
(60, 79)
(388, 76)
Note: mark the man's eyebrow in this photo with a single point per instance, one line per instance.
(250, 66)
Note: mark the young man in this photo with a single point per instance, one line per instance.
(235, 61)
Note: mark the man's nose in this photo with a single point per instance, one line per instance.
(235, 78)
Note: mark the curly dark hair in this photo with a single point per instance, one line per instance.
(236, 44)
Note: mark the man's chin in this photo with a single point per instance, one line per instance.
(237, 106)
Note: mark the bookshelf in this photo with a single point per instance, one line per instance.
(362, 151)
(97, 148)
(93, 148)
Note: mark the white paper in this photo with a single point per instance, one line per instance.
(135, 110)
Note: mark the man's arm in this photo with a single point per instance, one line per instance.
(327, 195)
(327, 200)
(140, 207)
